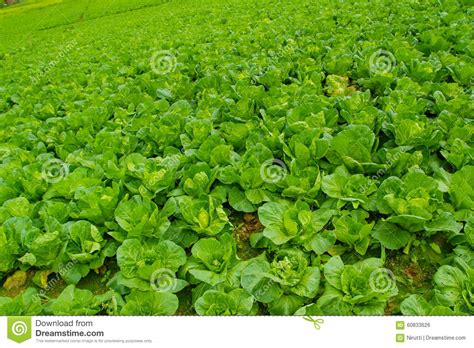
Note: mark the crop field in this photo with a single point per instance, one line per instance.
(237, 157)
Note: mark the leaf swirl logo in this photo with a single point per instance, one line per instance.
(273, 171)
(382, 280)
(54, 170)
(19, 329)
(382, 62)
(163, 280)
(163, 62)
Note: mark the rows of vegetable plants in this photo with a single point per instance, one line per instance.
(237, 157)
